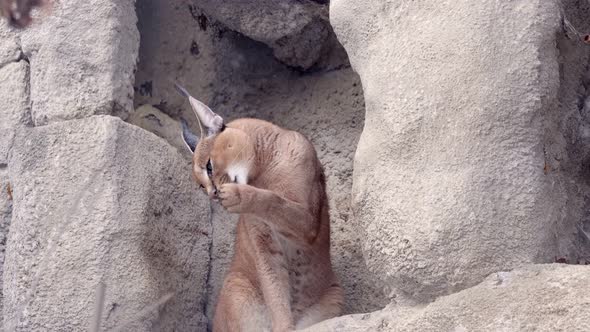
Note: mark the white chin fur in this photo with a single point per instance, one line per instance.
(239, 172)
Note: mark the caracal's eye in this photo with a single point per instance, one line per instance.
(201, 186)
(209, 168)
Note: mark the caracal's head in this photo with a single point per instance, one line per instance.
(220, 154)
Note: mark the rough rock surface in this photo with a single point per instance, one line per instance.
(5, 217)
(177, 44)
(460, 169)
(222, 248)
(533, 298)
(297, 31)
(15, 110)
(83, 56)
(159, 123)
(99, 200)
(9, 44)
(239, 77)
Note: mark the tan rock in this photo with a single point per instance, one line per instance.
(98, 200)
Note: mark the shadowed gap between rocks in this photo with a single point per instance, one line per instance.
(239, 77)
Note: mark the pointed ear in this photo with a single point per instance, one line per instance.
(208, 120)
(191, 140)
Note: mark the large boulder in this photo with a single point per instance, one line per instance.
(534, 298)
(101, 201)
(83, 56)
(297, 31)
(462, 166)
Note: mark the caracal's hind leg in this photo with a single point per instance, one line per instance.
(329, 306)
(240, 307)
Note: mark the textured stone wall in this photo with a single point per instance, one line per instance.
(471, 160)
(100, 201)
(466, 122)
(532, 298)
(86, 199)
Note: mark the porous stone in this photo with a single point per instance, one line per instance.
(15, 110)
(100, 201)
(223, 236)
(533, 298)
(178, 44)
(457, 172)
(9, 44)
(5, 217)
(159, 123)
(83, 56)
(297, 31)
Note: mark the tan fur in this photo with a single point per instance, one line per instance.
(281, 274)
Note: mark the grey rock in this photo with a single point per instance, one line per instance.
(98, 200)
(5, 217)
(450, 180)
(297, 31)
(533, 298)
(83, 58)
(178, 44)
(9, 44)
(15, 110)
(159, 123)
(223, 236)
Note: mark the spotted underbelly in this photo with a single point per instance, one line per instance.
(302, 270)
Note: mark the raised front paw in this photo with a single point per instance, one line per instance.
(230, 197)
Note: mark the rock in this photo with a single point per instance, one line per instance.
(297, 31)
(159, 123)
(223, 236)
(83, 58)
(185, 44)
(98, 200)
(5, 217)
(450, 180)
(15, 110)
(9, 44)
(534, 298)
(178, 44)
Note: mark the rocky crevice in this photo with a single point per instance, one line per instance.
(474, 149)
(207, 296)
(572, 158)
(5, 217)
(239, 76)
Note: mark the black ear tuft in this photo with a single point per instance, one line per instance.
(191, 140)
(182, 91)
